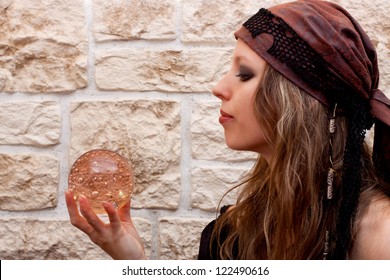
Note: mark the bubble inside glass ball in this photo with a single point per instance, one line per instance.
(102, 175)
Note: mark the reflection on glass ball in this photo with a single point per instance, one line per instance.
(102, 175)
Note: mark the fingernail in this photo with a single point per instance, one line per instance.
(106, 204)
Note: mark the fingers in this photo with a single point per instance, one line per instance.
(117, 216)
(70, 203)
(87, 221)
(75, 218)
(93, 220)
(113, 216)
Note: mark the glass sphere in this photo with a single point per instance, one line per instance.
(102, 175)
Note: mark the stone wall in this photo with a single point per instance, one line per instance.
(134, 77)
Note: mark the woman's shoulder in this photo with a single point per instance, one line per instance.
(372, 240)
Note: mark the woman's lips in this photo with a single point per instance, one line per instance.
(224, 117)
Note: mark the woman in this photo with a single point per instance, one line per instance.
(301, 91)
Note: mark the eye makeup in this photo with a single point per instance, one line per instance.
(244, 73)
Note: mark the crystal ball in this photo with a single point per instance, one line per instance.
(102, 175)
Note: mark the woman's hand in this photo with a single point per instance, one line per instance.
(119, 238)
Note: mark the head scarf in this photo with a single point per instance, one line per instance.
(322, 49)
(347, 58)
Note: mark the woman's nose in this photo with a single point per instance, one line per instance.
(220, 89)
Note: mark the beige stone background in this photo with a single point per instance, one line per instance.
(134, 77)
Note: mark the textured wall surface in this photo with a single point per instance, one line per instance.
(131, 76)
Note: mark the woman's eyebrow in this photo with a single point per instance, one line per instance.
(240, 57)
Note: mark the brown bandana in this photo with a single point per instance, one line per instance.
(319, 47)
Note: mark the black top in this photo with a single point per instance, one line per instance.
(205, 253)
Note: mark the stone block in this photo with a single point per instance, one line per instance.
(216, 21)
(30, 123)
(180, 237)
(43, 46)
(211, 185)
(190, 70)
(28, 181)
(136, 19)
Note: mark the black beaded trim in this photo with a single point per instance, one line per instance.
(293, 51)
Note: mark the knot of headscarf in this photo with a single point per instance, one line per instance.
(380, 106)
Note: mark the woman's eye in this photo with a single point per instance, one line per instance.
(244, 73)
(244, 76)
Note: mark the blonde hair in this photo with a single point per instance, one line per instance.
(281, 212)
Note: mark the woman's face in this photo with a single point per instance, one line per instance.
(237, 90)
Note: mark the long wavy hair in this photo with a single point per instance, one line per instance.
(282, 212)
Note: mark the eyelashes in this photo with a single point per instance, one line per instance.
(244, 77)
(244, 74)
